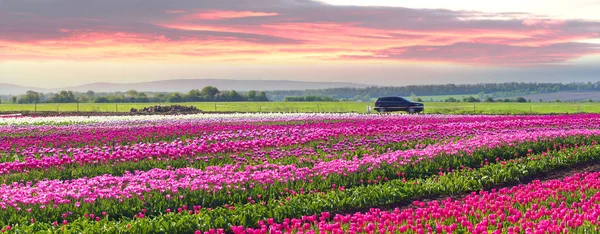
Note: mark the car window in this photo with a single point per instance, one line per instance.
(399, 99)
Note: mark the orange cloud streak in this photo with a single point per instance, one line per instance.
(218, 15)
(306, 42)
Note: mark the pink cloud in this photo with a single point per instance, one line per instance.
(175, 11)
(485, 54)
(283, 29)
(219, 15)
(543, 22)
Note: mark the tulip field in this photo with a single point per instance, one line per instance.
(300, 173)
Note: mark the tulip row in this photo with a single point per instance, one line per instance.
(555, 206)
(186, 219)
(212, 154)
(94, 135)
(235, 139)
(268, 138)
(231, 171)
(230, 152)
(120, 195)
(217, 155)
(215, 118)
(301, 156)
(125, 133)
(28, 138)
(118, 120)
(219, 182)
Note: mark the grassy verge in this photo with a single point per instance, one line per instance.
(337, 107)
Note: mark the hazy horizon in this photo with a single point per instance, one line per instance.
(386, 76)
(54, 44)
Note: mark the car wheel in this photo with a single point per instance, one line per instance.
(411, 111)
(382, 110)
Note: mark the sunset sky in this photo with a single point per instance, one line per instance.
(55, 43)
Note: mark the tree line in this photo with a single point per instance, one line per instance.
(487, 99)
(495, 90)
(206, 94)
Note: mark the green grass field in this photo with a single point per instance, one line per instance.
(204, 106)
(438, 98)
(359, 107)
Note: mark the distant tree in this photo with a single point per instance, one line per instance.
(521, 99)
(116, 99)
(82, 99)
(142, 98)
(419, 100)
(193, 95)
(101, 100)
(262, 97)
(471, 99)
(30, 97)
(160, 97)
(251, 95)
(90, 93)
(489, 99)
(13, 99)
(311, 98)
(481, 95)
(557, 100)
(451, 99)
(209, 92)
(175, 97)
(507, 100)
(195, 92)
(235, 96)
(222, 96)
(541, 100)
(132, 93)
(293, 99)
(63, 97)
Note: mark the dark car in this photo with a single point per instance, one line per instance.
(389, 104)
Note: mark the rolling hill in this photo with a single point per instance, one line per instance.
(11, 89)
